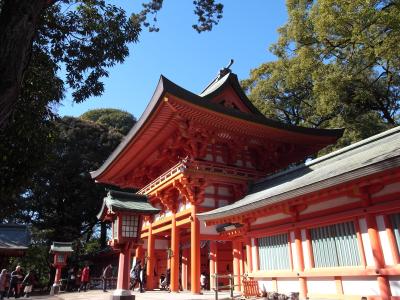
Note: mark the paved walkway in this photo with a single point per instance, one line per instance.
(153, 295)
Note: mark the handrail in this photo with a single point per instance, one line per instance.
(231, 285)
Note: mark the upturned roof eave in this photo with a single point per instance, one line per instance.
(165, 86)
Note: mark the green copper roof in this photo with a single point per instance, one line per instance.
(124, 201)
(61, 247)
(370, 156)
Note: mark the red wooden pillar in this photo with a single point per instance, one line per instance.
(123, 268)
(150, 259)
(195, 252)
(185, 261)
(213, 263)
(175, 256)
(249, 255)
(236, 264)
(373, 234)
(300, 261)
(58, 274)
(139, 253)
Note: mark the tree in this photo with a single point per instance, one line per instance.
(338, 66)
(62, 197)
(86, 37)
(119, 120)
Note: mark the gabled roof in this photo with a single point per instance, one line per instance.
(61, 247)
(122, 201)
(375, 154)
(166, 87)
(14, 237)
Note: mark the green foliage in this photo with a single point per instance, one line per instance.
(338, 65)
(62, 195)
(119, 120)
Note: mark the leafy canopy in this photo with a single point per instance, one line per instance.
(337, 66)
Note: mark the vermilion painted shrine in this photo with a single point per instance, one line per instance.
(211, 162)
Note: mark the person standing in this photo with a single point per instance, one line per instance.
(16, 278)
(107, 273)
(85, 278)
(28, 283)
(135, 275)
(3, 279)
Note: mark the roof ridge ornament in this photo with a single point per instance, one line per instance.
(224, 71)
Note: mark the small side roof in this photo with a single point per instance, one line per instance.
(14, 237)
(375, 154)
(123, 201)
(61, 247)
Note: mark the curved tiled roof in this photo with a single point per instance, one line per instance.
(375, 154)
(166, 86)
(14, 237)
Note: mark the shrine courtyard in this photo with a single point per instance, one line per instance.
(153, 295)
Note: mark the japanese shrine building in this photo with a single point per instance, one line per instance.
(329, 227)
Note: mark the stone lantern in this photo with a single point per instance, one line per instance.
(61, 251)
(125, 211)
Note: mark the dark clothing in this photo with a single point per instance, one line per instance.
(15, 284)
(135, 277)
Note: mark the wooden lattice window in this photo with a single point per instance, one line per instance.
(274, 252)
(335, 245)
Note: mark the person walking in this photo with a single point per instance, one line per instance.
(135, 275)
(27, 283)
(84, 279)
(107, 273)
(3, 279)
(15, 280)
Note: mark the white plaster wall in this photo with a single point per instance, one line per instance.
(366, 243)
(305, 248)
(254, 254)
(208, 202)
(181, 207)
(329, 204)
(294, 251)
(208, 157)
(288, 285)
(321, 285)
(394, 282)
(387, 253)
(188, 205)
(362, 286)
(223, 191)
(207, 229)
(168, 213)
(265, 285)
(209, 189)
(388, 189)
(219, 159)
(269, 219)
(161, 244)
(239, 163)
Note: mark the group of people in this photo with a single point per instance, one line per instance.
(16, 283)
(78, 279)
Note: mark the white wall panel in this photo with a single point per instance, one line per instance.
(161, 244)
(288, 285)
(294, 251)
(269, 219)
(321, 285)
(304, 245)
(254, 253)
(387, 253)
(366, 243)
(265, 285)
(363, 286)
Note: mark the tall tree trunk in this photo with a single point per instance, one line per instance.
(18, 24)
(103, 235)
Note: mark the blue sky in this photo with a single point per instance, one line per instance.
(189, 59)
